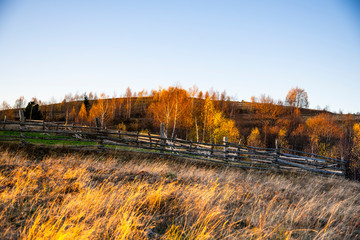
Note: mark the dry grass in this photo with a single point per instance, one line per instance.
(94, 197)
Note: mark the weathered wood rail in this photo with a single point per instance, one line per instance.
(231, 154)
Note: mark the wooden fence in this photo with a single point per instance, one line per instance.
(231, 154)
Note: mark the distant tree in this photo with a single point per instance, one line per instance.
(297, 97)
(7, 112)
(82, 114)
(102, 110)
(355, 162)
(32, 111)
(73, 114)
(171, 107)
(282, 137)
(323, 132)
(86, 103)
(20, 102)
(128, 96)
(254, 139)
(5, 106)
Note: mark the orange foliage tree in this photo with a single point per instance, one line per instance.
(267, 113)
(170, 106)
(323, 132)
(297, 97)
(101, 109)
(355, 164)
(73, 114)
(82, 114)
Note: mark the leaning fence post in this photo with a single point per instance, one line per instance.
(225, 141)
(162, 135)
(22, 126)
(277, 154)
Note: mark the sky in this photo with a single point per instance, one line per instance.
(247, 48)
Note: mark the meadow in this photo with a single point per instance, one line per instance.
(138, 196)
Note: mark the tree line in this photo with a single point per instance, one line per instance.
(208, 116)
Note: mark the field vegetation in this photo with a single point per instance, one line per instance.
(136, 196)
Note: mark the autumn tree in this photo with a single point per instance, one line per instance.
(170, 107)
(323, 132)
(297, 97)
(282, 137)
(207, 118)
(267, 112)
(140, 104)
(223, 127)
(73, 114)
(128, 96)
(215, 125)
(7, 111)
(355, 161)
(102, 110)
(82, 113)
(254, 139)
(356, 140)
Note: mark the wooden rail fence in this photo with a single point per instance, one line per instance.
(231, 154)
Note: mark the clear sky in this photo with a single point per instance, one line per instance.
(248, 48)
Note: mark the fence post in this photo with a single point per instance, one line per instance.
(137, 138)
(4, 122)
(22, 126)
(162, 135)
(343, 165)
(277, 154)
(97, 121)
(225, 141)
(101, 144)
(150, 140)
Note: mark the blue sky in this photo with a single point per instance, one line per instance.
(248, 48)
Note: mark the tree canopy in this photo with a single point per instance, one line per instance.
(297, 97)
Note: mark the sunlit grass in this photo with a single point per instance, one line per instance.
(99, 197)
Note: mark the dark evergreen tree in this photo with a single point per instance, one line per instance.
(86, 102)
(32, 111)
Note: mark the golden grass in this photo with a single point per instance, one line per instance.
(96, 197)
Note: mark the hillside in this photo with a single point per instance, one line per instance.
(133, 196)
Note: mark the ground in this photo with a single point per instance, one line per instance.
(138, 196)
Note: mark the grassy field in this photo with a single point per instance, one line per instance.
(60, 140)
(134, 196)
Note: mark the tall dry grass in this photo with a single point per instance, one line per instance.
(97, 197)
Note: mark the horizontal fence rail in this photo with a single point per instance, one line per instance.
(231, 154)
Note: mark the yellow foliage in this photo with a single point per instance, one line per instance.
(254, 139)
(121, 126)
(282, 138)
(356, 145)
(216, 125)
